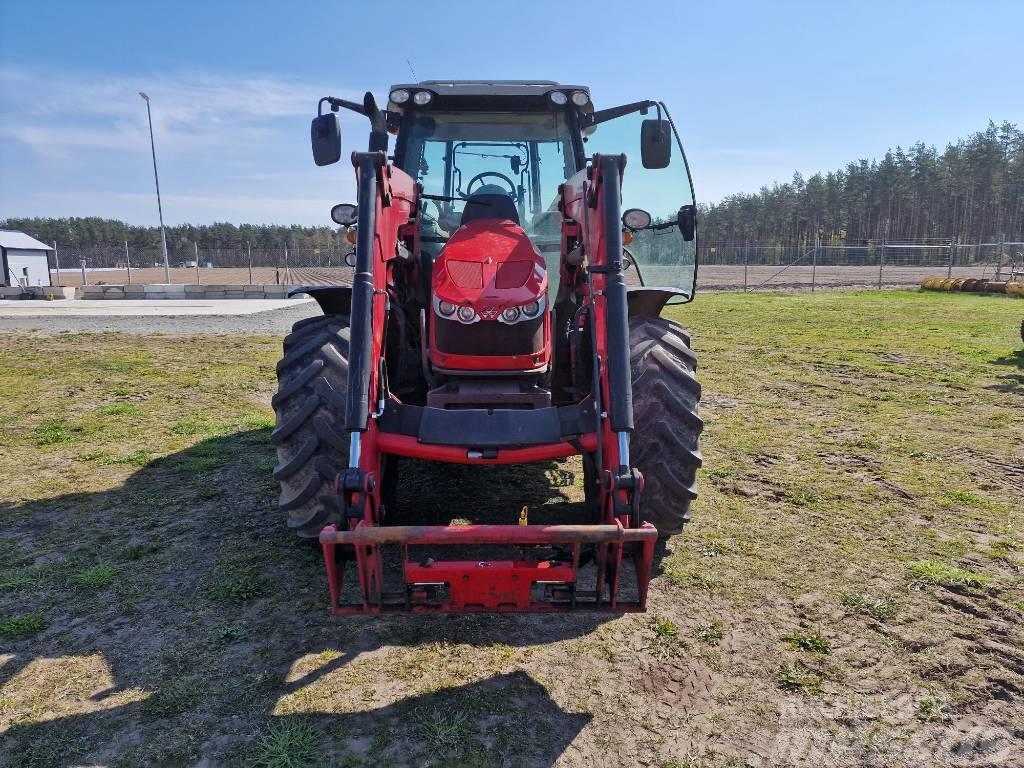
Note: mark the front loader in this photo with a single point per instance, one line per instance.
(514, 248)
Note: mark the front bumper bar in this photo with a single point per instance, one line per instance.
(463, 586)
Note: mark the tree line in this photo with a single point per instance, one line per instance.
(972, 191)
(90, 231)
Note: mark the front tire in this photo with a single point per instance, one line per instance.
(312, 446)
(665, 443)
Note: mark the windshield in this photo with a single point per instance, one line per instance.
(658, 256)
(526, 156)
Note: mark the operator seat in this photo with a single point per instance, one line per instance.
(489, 202)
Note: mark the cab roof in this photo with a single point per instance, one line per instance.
(484, 94)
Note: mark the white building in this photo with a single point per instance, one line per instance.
(23, 259)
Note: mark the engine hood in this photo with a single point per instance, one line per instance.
(489, 264)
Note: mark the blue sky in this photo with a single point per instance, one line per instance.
(758, 89)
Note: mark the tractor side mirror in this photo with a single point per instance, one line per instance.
(325, 135)
(345, 214)
(688, 221)
(655, 143)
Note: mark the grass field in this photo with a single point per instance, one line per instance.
(849, 593)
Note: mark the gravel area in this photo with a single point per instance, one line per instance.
(274, 322)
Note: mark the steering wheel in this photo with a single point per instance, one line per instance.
(481, 176)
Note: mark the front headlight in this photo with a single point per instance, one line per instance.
(513, 315)
(450, 311)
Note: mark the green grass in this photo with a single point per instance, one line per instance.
(120, 409)
(175, 698)
(241, 587)
(23, 626)
(813, 642)
(795, 676)
(54, 432)
(880, 608)
(930, 710)
(96, 578)
(710, 633)
(940, 574)
(289, 743)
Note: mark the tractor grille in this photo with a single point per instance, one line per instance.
(513, 274)
(466, 274)
(489, 337)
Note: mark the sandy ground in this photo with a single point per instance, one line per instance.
(709, 276)
(258, 317)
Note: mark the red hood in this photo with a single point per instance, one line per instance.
(489, 264)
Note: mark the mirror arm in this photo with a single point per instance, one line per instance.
(337, 104)
(604, 115)
(379, 119)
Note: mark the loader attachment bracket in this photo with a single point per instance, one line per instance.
(516, 585)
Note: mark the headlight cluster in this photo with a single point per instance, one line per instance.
(467, 315)
(449, 311)
(579, 98)
(419, 98)
(513, 315)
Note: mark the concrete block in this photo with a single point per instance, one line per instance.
(164, 288)
(91, 292)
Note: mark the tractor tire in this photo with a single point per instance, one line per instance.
(310, 437)
(666, 396)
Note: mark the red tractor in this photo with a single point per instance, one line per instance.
(510, 270)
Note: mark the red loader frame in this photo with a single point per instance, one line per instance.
(598, 428)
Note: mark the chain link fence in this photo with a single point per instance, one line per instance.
(822, 264)
(744, 266)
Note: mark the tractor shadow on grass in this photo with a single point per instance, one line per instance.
(209, 625)
(1012, 382)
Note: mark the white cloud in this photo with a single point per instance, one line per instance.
(229, 148)
(54, 114)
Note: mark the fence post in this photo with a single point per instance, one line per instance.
(999, 258)
(286, 271)
(746, 262)
(85, 277)
(814, 262)
(881, 261)
(128, 261)
(952, 248)
(249, 249)
(56, 261)
(196, 246)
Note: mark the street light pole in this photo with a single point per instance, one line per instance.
(156, 177)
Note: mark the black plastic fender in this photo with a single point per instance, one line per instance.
(333, 299)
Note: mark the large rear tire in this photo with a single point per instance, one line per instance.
(312, 447)
(665, 443)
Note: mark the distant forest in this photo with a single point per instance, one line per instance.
(972, 191)
(91, 231)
